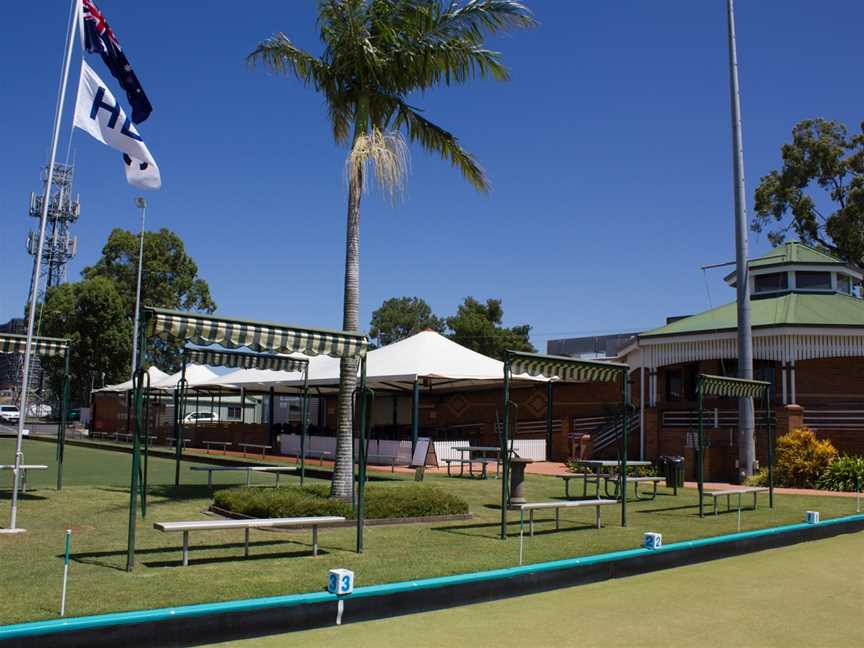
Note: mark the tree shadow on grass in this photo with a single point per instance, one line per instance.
(22, 497)
(100, 558)
(668, 509)
(512, 529)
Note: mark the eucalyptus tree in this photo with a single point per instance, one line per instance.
(377, 55)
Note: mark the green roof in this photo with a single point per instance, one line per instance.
(793, 252)
(791, 309)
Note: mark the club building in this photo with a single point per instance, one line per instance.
(808, 341)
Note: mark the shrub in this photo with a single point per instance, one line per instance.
(759, 478)
(802, 458)
(841, 473)
(410, 500)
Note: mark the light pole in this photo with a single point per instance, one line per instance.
(142, 205)
(746, 425)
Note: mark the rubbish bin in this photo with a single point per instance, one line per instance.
(673, 471)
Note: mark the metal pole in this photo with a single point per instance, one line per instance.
(269, 417)
(361, 459)
(304, 424)
(415, 415)
(505, 459)
(699, 465)
(137, 384)
(770, 423)
(37, 263)
(746, 426)
(142, 205)
(178, 449)
(642, 392)
(65, 572)
(61, 430)
(549, 421)
(625, 439)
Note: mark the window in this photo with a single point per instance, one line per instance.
(771, 282)
(813, 280)
(844, 284)
(681, 383)
(234, 412)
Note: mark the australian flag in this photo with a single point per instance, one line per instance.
(99, 38)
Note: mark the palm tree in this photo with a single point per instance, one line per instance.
(376, 53)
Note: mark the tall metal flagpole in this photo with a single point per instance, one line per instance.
(746, 426)
(142, 205)
(37, 262)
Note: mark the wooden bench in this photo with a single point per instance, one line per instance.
(246, 525)
(461, 462)
(277, 470)
(587, 478)
(262, 448)
(739, 491)
(24, 468)
(185, 441)
(558, 505)
(224, 444)
(635, 481)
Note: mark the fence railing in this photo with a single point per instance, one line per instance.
(533, 426)
(605, 431)
(834, 419)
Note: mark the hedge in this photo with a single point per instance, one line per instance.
(404, 501)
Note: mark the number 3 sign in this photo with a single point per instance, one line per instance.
(340, 581)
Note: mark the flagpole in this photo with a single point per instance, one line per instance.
(37, 262)
(746, 426)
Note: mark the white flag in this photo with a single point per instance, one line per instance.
(98, 113)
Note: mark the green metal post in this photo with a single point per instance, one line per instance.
(770, 434)
(270, 411)
(61, 428)
(178, 438)
(145, 385)
(625, 437)
(415, 415)
(700, 467)
(361, 459)
(505, 459)
(304, 424)
(133, 487)
(549, 421)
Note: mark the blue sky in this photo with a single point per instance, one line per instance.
(609, 152)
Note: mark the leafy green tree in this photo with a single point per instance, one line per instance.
(478, 327)
(169, 280)
(377, 55)
(402, 317)
(92, 315)
(823, 165)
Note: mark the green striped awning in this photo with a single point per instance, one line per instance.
(564, 368)
(241, 360)
(735, 387)
(203, 329)
(44, 346)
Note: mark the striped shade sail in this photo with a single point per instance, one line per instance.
(200, 328)
(535, 364)
(241, 360)
(44, 346)
(735, 387)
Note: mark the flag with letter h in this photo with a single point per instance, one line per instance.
(99, 113)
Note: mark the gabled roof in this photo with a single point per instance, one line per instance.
(791, 309)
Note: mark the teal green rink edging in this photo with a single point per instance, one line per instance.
(94, 622)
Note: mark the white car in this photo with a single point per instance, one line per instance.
(201, 417)
(9, 414)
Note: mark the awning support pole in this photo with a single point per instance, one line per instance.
(505, 459)
(549, 387)
(415, 415)
(61, 427)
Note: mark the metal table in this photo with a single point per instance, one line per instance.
(612, 465)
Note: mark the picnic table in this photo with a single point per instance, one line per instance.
(483, 459)
(24, 468)
(277, 470)
(611, 466)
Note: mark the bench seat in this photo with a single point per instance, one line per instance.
(254, 523)
(739, 491)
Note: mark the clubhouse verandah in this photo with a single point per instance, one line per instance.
(808, 340)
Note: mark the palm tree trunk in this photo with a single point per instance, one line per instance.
(343, 471)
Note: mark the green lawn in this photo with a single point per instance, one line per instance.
(94, 504)
(805, 595)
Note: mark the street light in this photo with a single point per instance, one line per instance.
(142, 205)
